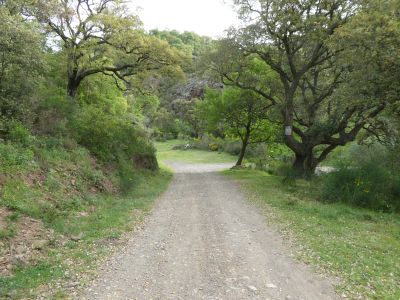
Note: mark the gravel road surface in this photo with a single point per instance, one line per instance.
(203, 240)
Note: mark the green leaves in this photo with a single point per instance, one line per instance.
(234, 111)
(21, 64)
(103, 37)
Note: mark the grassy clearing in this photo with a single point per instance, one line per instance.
(166, 153)
(362, 247)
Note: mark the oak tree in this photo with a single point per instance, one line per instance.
(102, 37)
(294, 39)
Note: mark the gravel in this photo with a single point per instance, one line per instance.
(203, 240)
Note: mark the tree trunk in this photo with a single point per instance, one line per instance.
(245, 143)
(72, 88)
(305, 164)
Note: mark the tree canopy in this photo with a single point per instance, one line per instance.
(300, 41)
(103, 37)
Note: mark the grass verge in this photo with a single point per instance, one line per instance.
(69, 260)
(360, 246)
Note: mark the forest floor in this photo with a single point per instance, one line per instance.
(204, 240)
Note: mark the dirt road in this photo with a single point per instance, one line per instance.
(204, 241)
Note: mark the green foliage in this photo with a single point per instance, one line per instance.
(100, 91)
(232, 147)
(104, 37)
(370, 186)
(213, 147)
(14, 157)
(323, 89)
(188, 41)
(365, 176)
(21, 64)
(237, 114)
(231, 110)
(108, 136)
(21, 198)
(129, 178)
(144, 107)
(374, 36)
(165, 125)
(19, 134)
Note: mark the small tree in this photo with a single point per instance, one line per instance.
(240, 114)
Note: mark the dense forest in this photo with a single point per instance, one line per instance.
(85, 91)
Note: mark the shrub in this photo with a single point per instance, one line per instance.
(145, 161)
(369, 185)
(19, 134)
(207, 143)
(213, 147)
(201, 144)
(109, 136)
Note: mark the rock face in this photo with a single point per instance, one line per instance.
(195, 88)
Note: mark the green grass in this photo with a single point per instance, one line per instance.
(362, 247)
(113, 216)
(166, 153)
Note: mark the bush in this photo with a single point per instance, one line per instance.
(213, 147)
(201, 144)
(369, 185)
(233, 147)
(19, 134)
(110, 137)
(207, 143)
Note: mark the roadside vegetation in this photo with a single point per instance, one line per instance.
(50, 251)
(60, 210)
(359, 246)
